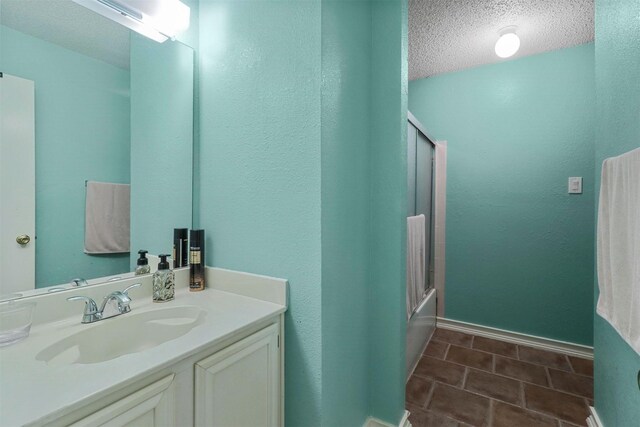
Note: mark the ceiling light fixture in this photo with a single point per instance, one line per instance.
(156, 19)
(508, 43)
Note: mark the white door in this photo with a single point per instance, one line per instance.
(17, 185)
(240, 385)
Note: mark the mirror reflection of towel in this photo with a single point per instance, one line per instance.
(107, 218)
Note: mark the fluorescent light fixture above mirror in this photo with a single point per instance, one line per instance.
(155, 19)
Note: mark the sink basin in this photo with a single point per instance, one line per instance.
(124, 334)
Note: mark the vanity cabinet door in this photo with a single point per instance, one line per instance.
(240, 385)
(151, 406)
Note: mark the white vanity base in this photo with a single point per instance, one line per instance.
(235, 353)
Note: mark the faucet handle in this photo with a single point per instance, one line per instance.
(91, 313)
(91, 306)
(79, 281)
(135, 285)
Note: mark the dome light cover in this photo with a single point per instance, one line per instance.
(508, 44)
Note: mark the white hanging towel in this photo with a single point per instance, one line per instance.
(107, 218)
(415, 262)
(619, 246)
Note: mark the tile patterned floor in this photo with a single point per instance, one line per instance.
(465, 380)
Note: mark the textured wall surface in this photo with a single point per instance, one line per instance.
(260, 172)
(346, 94)
(519, 248)
(161, 143)
(82, 132)
(448, 36)
(289, 181)
(388, 207)
(617, 54)
(363, 199)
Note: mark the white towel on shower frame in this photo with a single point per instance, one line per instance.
(415, 262)
(619, 246)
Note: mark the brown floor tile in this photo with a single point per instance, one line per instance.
(545, 358)
(494, 346)
(492, 385)
(422, 418)
(468, 357)
(566, 424)
(561, 405)
(437, 349)
(460, 405)
(511, 416)
(417, 390)
(581, 366)
(440, 370)
(572, 383)
(521, 370)
(453, 337)
(411, 407)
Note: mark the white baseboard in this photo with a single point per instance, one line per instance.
(404, 422)
(594, 419)
(568, 348)
(374, 422)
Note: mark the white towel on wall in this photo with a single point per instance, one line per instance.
(107, 218)
(415, 262)
(619, 246)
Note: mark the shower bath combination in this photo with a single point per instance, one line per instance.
(425, 237)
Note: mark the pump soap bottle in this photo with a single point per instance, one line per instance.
(143, 266)
(163, 281)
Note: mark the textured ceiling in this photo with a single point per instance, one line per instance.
(451, 35)
(69, 25)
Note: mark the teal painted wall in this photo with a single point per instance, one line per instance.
(388, 175)
(82, 116)
(346, 224)
(617, 53)
(288, 181)
(345, 128)
(161, 143)
(260, 169)
(519, 248)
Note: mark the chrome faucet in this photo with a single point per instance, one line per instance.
(114, 304)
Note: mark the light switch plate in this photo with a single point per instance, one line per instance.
(575, 185)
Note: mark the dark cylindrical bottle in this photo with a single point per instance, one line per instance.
(196, 259)
(180, 248)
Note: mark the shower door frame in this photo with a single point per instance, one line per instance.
(438, 209)
(422, 322)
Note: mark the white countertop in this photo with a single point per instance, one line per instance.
(31, 389)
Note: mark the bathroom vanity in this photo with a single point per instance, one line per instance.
(207, 358)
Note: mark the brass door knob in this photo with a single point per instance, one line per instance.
(23, 239)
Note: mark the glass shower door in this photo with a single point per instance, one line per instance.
(420, 156)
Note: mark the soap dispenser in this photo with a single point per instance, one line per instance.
(143, 266)
(163, 281)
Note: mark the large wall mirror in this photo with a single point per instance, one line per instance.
(109, 106)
